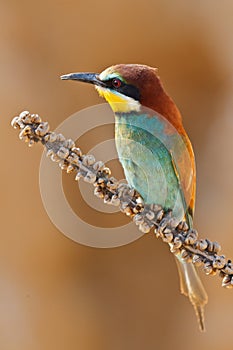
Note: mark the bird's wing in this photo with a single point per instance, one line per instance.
(184, 166)
(182, 155)
(154, 129)
(156, 159)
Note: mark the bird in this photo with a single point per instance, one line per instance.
(154, 150)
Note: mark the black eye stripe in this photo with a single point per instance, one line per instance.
(125, 89)
(130, 91)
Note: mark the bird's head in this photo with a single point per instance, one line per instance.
(127, 87)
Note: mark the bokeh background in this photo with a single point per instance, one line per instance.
(55, 293)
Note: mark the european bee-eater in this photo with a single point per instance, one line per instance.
(154, 150)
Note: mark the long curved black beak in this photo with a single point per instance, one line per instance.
(91, 78)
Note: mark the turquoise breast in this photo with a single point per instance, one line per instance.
(145, 152)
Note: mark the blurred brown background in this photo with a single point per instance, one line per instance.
(55, 293)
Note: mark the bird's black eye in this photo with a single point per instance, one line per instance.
(116, 83)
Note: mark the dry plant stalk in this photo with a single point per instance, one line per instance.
(181, 239)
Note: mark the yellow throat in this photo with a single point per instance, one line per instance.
(118, 102)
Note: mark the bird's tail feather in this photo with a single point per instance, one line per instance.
(192, 287)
